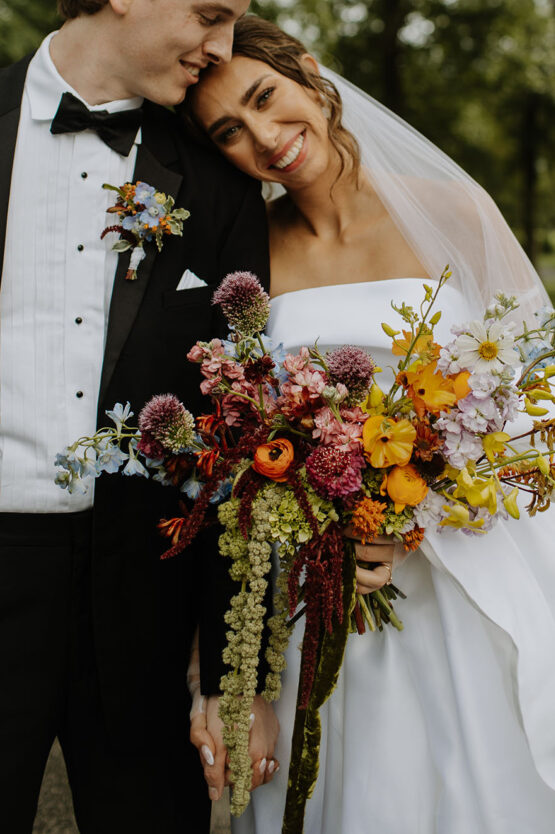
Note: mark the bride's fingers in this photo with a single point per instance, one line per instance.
(379, 552)
(372, 580)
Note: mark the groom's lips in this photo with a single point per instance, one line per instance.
(285, 150)
(192, 70)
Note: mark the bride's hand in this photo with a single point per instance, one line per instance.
(381, 550)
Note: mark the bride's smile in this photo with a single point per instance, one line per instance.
(266, 124)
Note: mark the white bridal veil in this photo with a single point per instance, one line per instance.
(446, 217)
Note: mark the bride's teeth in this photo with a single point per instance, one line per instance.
(291, 154)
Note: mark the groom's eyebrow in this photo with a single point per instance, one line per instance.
(245, 98)
(220, 8)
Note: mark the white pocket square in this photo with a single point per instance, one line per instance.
(189, 280)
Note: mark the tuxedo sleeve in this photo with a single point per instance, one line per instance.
(245, 248)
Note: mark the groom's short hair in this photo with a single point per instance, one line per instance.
(73, 8)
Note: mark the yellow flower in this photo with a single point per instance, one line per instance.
(424, 345)
(405, 486)
(494, 444)
(430, 390)
(479, 492)
(542, 464)
(460, 384)
(459, 517)
(387, 441)
(534, 410)
(373, 404)
(510, 504)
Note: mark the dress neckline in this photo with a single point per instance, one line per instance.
(349, 284)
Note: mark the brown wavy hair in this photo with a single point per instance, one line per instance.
(261, 40)
(69, 9)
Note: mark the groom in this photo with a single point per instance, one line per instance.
(94, 629)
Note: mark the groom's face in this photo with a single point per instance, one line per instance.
(167, 43)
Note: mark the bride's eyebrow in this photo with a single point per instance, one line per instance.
(245, 98)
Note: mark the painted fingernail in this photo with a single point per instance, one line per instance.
(251, 720)
(262, 766)
(207, 754)
(271, 766)
(213, 794)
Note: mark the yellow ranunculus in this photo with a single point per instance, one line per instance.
(494, 444)
(479, 492)
(460, 517)
(387, 441)
(460, 385)
(405, 486)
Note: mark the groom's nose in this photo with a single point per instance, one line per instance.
(218, 47)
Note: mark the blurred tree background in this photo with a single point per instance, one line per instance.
(477, 77)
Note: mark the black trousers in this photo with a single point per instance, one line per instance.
(49, 689)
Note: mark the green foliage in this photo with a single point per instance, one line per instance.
(23, 24)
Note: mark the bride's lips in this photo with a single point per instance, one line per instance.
(288, 148)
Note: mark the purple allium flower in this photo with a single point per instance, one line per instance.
(245, 304)
(167, 422)
(333, 473)
(352, 367)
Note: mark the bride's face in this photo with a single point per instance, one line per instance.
(266, 124)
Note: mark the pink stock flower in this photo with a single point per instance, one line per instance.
(293, 363)
(334, 473)
(331, 431)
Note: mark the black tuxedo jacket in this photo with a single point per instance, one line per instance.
(145, 611)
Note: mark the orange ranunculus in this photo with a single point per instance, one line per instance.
(405, 486)
(460, 385)
(273, 459)
(387, 441)
(429, 390)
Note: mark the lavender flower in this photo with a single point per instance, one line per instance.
(352, 367)
(165, 422)
(334, 473)
(245, 304)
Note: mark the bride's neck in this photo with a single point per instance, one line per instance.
(330, 206)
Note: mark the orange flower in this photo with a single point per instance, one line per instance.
(171, 529)
(460, 384)
(427, 442)
(367, 517)
(273, 459)
(206, 460)
(405, 486)
(413, 539)
(429, 390)
(387, 441)
(425, 346)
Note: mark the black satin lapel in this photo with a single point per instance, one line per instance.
(12, 80)
(127, 295)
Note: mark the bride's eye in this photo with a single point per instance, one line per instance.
(264, 97)
(228, 134)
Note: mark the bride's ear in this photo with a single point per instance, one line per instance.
(310, 63)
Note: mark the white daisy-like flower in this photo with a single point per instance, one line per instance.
(486, 348)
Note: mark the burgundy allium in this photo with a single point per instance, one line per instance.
(167, 421)
(334, 473)
(245, 304)
(353, 367)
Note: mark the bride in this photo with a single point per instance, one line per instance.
(449, 726)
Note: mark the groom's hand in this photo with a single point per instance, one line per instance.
(206, 735)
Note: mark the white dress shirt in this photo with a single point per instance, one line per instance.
(56, 287)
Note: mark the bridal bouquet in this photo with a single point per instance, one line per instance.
(297, 447)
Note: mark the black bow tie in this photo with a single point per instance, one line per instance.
(118, 130)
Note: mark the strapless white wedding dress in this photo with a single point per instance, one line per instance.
(449, 726)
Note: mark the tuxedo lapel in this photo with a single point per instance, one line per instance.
(127, 295)
(12, 81)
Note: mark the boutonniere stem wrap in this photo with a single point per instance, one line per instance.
(144, 215)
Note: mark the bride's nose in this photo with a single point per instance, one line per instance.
(265, 135)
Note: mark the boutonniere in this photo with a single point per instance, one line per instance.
(144, 214)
